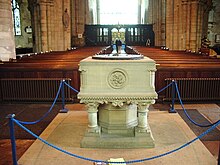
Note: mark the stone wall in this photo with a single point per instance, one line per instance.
(7, 44)
(143, 7)
(81, 15)
(184, 24)
(51, 24)
(93, 13)
(179, 24)
(157, 18)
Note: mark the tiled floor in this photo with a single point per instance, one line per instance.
(26, 112)
(210, 111)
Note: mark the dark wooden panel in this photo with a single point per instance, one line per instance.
(134, 34)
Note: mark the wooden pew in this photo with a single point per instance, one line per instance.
(172, 64)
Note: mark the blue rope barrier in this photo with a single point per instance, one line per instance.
(12, 137)
(127, 162)
(172, 109)
(63, 110)
(180, 100)
(71, 87)
(47, 113)
(63, 95)
(51, 145)
(165, 87)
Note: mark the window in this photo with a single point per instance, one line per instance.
(16, 17)
(118, 12)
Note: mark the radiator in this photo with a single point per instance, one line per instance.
(32, 89)
(195, 89)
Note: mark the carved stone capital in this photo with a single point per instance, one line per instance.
(152, 70)
(92, 107)
(143, 106)
(82, 70)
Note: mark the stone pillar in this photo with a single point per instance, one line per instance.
(158, 21)
(176, 25)
(139, 11)
(87, 12)
(92, 109)
(51, 25)
(169, 23)
(36, 28)
(7, 43)
(163, 23)
(188, 21)
(184, 24)
(142, 117)
(66, 25)
(193, 29)
(152, 78)
(155, 20)
(80, 11)
(184, 20)
(199, 28)
(191, 22)
(196, 16)
(149, 18)
(91, 11)
(43, 31)
(98, 11)
(38, 16)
